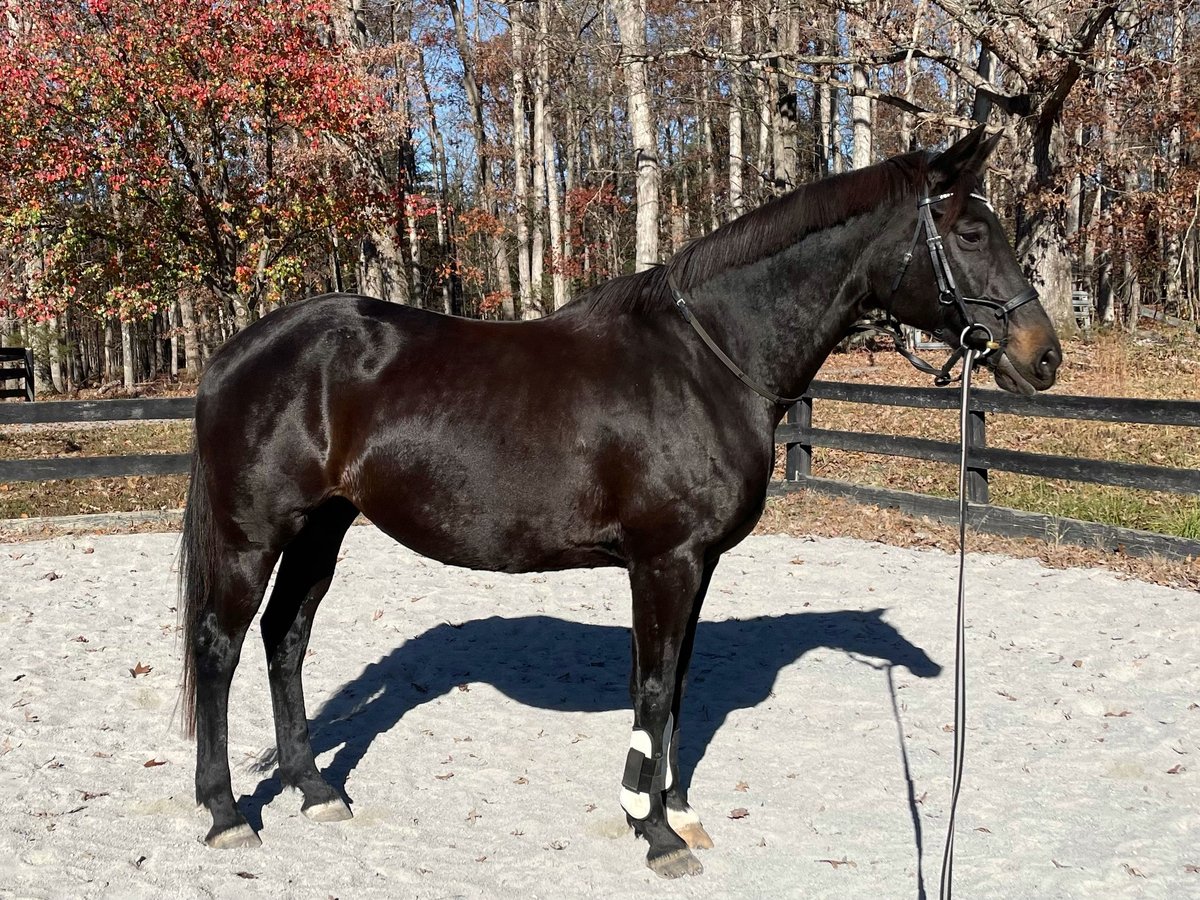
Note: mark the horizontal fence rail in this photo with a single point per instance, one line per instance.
(64, 411)
(800, 437)
(1056, 406)
(1070, 468)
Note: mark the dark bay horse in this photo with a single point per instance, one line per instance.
(607, 434)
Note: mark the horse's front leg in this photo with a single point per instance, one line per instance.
(664, 589)
(684, 820)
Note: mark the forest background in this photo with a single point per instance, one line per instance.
(171, 170)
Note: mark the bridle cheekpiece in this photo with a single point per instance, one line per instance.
(975, 335)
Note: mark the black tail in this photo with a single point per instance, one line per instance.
(197, 565)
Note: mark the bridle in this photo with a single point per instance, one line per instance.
(975, 336)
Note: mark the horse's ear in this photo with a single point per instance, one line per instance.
(967, 156)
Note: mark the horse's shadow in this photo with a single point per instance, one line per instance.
(554, 664)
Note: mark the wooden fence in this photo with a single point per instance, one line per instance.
(70, 411)
(800, 437)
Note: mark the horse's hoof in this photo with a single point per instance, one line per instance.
(695, 836)
(329, 811)
(675, 864)
(685, 823)
(233, 838)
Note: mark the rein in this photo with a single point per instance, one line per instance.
(685, 311)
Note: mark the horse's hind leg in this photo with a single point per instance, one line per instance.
(663, 593)
(236, 592)
(680, 816)
(304, 577)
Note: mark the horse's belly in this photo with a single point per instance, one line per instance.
(493, 545)
(485, 525)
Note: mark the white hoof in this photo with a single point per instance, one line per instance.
(235, 838)
(686, 824)
(329, 811)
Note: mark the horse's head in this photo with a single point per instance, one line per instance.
(962, 281)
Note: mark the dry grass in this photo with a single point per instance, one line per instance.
(67, 498)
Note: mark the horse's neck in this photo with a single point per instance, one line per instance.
(780, 317)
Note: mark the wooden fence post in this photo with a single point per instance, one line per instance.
(977, 477)
(799, 455)
(29, 374)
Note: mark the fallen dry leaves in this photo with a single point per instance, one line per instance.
(838, 863)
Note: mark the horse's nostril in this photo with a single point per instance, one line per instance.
(1049, 362)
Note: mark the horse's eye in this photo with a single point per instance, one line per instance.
(971, 238)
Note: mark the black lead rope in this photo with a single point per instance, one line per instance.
(960, 660)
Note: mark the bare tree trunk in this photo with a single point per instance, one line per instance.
(110, 352)
(208, 336)
(450, 284)
(1074, 204)
(737, 200)
(861, 111)
(173, 325)
(54, 355)
(710, 166)
(191, 336)
(823, 106)
(685, 192)
(537, 249)
(500, 274)
(127, 355)
(631, 23)
(1173, 246)
(784, 108)
(762, 86)
(674, 213)
(573, 153)
(381, 267)
(549, 159)
(860, 115)
(907, 140)
(35, 338)
(519, 144)
(981, 106)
